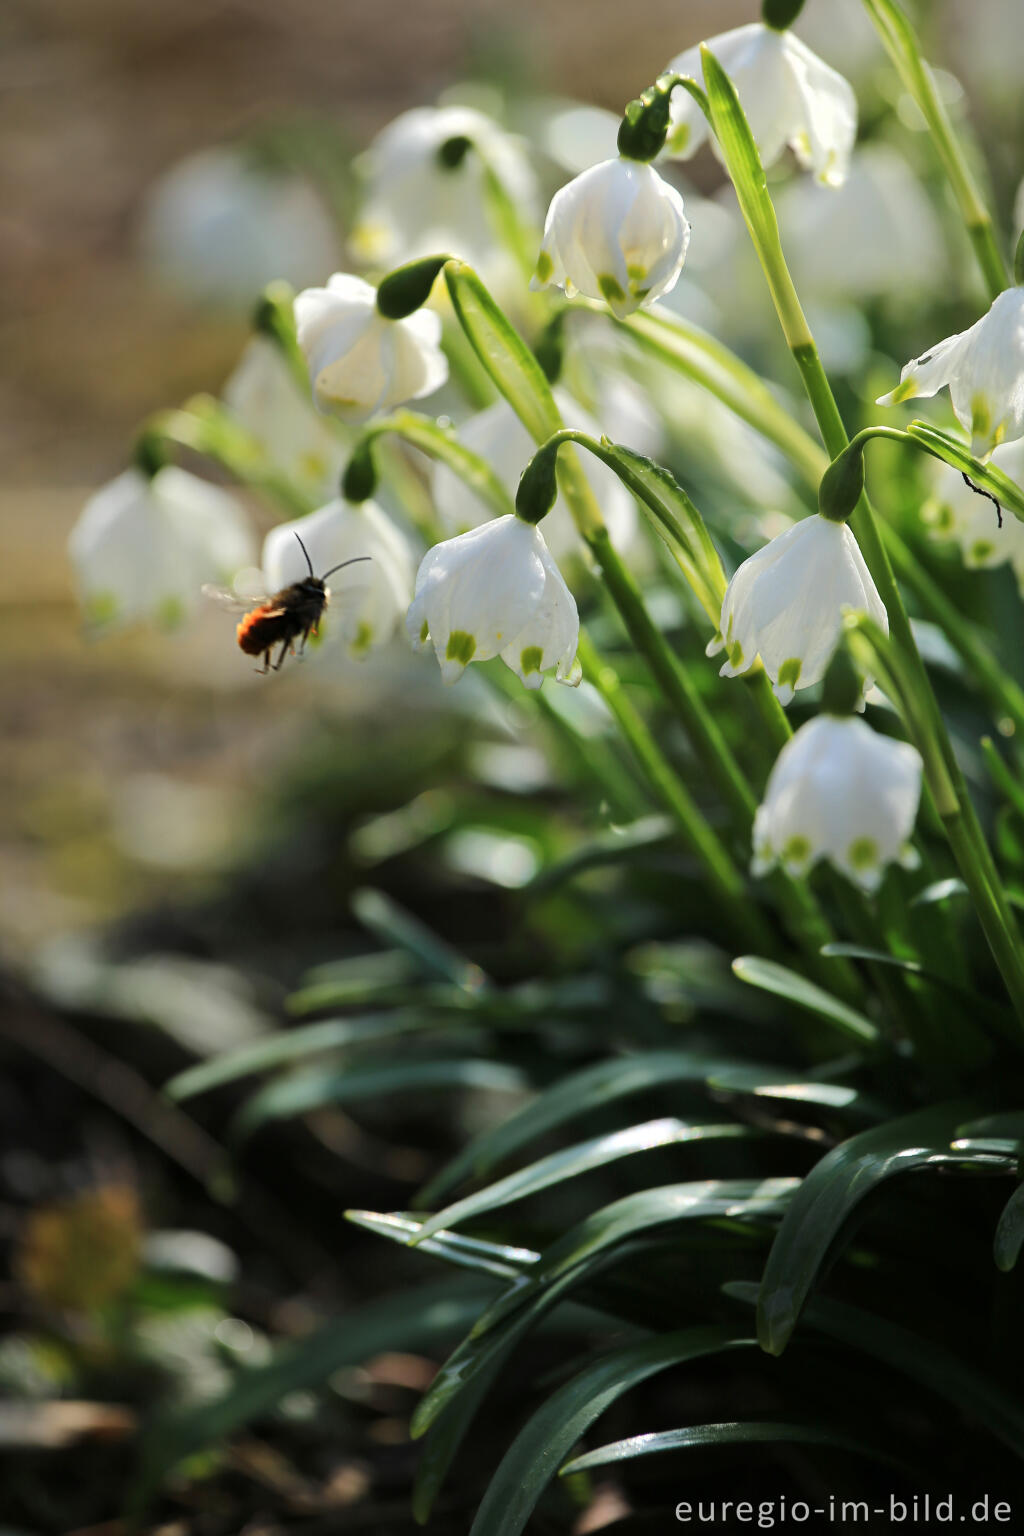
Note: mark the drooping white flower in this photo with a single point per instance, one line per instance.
(143, 548)
(825, 230)
(984, 368)
(219, 227)
(496, 591)
(264, 398)
(839, 791)
(790, 97)
(786, 603)
(954, 511)
(497, 435)
(359, 361)
(425, 177)
(369, 599)
(617, 232)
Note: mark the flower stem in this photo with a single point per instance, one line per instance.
(903, 47)
(725, 878)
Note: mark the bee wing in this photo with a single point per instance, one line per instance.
(230, 600)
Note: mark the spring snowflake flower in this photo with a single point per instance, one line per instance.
(376, 594)
(359, 361)
(617, 232)
(786, 603)
(142, 548)
(218, 227)
(425, 178)
(497, 435)
(790, 97)
(264, 398)
(984, 368)
(840, 792)
(496, 591)
(956, 512)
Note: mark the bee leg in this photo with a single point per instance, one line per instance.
(285, 646)
(262, 671)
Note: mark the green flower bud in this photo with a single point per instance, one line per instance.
(843, 688)
(359, 480)
(407, 288)
(538, 485)
(453, 151)
(780, 14)
(842, 484)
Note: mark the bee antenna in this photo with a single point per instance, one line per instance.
(305, 551)
(354, 561)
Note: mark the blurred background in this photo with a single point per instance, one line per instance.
(167, 820)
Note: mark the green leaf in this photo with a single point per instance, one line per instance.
(503, 352)
(691, 351)
(1009, 1236)
(671, 513)
(582, 1158)
(952, 451)
(296, 1044)
(924, 1360)
(577, 1093)
(782, 982)
(446, 1434)
(394, 926)
(840, 1098)
(830, 1194)
(499, 1259)
(411, 1320)
(618, 845)
(635, 1215)
(750, 1433)
(554, 1429)
(441, 443)
(900, 962)
(302, 1092)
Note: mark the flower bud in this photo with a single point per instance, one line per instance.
(842, 484)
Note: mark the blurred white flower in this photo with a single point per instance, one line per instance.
(617, 232)
(497, 435)
(496, 591)
(264, 398)
(359, 361)
(956, 512)
(785, 604)
(830, 253)
(839, 792)
(142, 549)
(984, 368)
(426, 186)
(371, 598)
(219, 227)
(789, 95)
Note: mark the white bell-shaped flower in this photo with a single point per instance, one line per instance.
(984, 368)
(496, 591)
(370, 598)
(954, 511)
(264, 397)
(839, 791)
(786, 604)
(359, 361)
(426, 186)
(617, 232)
(218, 227)
(790, 97)
(143, 548)
(497, 435)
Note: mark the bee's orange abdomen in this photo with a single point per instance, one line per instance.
(259, 629)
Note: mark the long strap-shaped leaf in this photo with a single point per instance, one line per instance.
(924, 1360)
(764, 1432)
(571, 1096)
(548, 1437)
(832, 1192)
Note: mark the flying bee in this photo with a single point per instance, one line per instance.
(291, 614)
